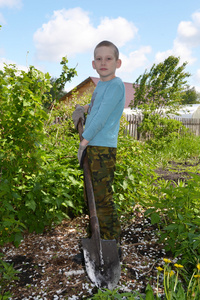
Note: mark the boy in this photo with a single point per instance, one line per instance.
(101, 133)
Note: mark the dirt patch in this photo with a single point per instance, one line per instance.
(176, 171)
(47, 269)
(172, 176)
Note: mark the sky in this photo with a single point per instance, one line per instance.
(40, 33)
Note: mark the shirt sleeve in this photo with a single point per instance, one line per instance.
(112, 98)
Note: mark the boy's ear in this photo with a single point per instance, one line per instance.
(119, 63)
(93, 64)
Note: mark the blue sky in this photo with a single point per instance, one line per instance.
(41, 32)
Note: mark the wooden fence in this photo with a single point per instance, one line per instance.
(133, 124)
(192, 124)
(135, 120)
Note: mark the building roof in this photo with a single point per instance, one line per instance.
(189, 111)
(128, 88)
(129, 93)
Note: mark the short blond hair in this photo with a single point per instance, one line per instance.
(108, 44)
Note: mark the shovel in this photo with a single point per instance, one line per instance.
(101, 256)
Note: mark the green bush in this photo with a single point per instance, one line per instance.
(159, 131)
(21, 134)
(36, 166)
(135, 173)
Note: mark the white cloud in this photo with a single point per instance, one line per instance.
(2, 52)
(196, 18)
(118, 30)
(136, 59)
(2, 19)
(198, 75)
(197, 80)
(11, 3)
(70, 32)
(188, 38)
(189, 32)
(179, 50)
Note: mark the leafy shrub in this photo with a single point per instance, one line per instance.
(22, 118)
(34, 183)
(179, 208)
(160, 131)
(134, 175)
(21, 135)
(184, 148)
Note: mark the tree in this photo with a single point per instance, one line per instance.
(56, 94)
(159, 90)
(58, 84)
(158, 93)
(190, 96)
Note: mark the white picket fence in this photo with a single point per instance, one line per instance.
(135, 120)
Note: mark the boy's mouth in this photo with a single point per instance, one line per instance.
(103, 69)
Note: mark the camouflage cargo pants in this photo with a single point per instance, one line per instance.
(102, 166)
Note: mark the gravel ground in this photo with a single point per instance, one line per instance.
(47, 269)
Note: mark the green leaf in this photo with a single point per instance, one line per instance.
(18, 238)
(31, 204)
(68, 203)
(149, 211)
(196, 244)
(180, 294)
(155, 218)
(149, 293)
(180, 217)
(171, 227)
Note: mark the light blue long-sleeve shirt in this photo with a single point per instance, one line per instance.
(104, 113)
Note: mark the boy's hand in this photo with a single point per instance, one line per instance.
(78, 114)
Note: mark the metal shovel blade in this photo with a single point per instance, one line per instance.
(104, 270)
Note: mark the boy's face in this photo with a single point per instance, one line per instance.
(105, 63)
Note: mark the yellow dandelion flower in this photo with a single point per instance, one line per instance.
(197, 276)
(159, 269)
(6, 228)
(198, 266)
(171, 273)
(178, 266)
(166, 260)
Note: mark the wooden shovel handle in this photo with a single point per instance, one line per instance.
(89, 190)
